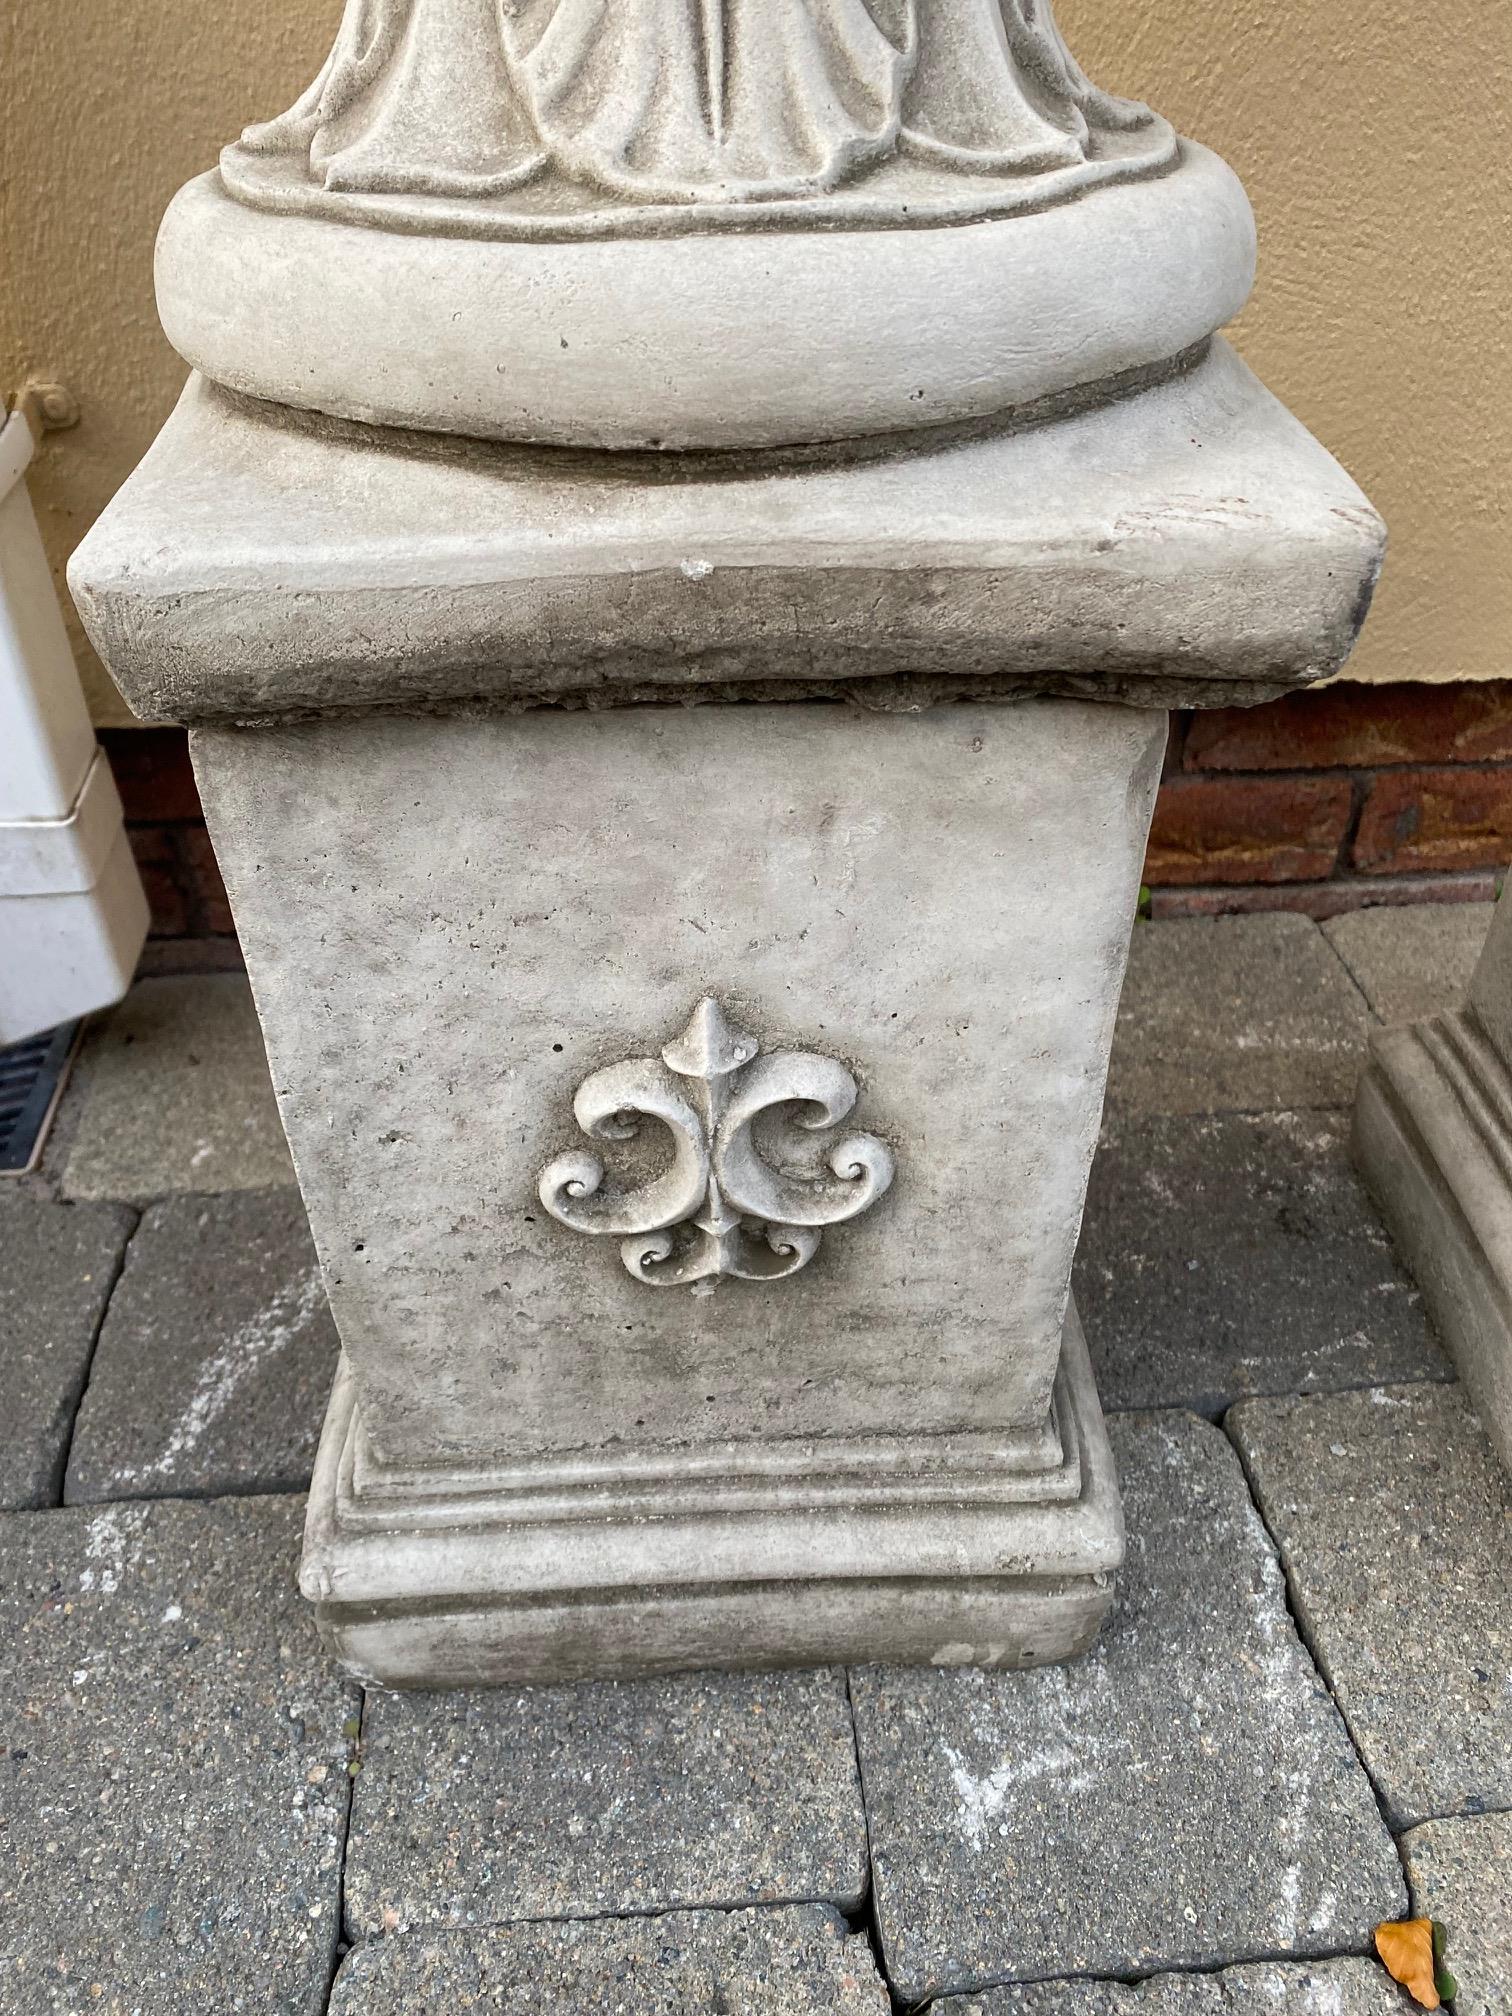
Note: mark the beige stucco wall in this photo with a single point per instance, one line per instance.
(1374, 136)
(106, 106)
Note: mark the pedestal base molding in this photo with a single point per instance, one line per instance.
(982, 1549)
(1433, 1134)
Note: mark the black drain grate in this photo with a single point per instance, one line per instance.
(31, 1078)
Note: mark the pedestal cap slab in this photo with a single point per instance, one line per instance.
(698, 223)
(1188, 543)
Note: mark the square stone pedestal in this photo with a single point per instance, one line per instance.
(694, 1103)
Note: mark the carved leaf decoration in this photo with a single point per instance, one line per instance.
(722, 1207)
(1406, 1950)
(610, 1105)
(824, 1092)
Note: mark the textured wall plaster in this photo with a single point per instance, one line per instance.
(1375, 140)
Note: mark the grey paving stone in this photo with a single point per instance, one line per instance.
(687, 1963)
(1461, 1873)
(173, 1094)
(1414, 960)
(172, 1804)
(58, 1263)
(1395, 1521)
(559, 1802)
(1239, 1254)
(1315, 1988)
(215, 1360)
(1185, 1796)
(1236, 1014)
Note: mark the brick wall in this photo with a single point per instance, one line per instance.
(1322, 802)
(190, 914)
(1335, 800)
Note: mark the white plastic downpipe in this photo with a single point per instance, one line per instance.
(72, 912)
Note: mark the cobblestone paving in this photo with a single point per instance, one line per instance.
(1302, 1705)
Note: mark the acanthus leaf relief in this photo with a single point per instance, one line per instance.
(552, 118)
(728, 1203)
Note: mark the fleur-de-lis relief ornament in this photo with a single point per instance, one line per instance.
(725, 1205)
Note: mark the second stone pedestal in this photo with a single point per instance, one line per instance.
(1433, 1134)
(694, 1103)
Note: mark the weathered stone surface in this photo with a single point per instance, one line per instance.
(1315, 1988)
(259, 564)
(1413, 960)
(712, 155)
(491, 1806)
(1185, 1796)
(543, 903)
(174, 1095)
(215, 1361)
(176, 1780)
(1433, 1136)
(684, 1963)
(57, 1266)
(1235, 1014)
(852, 883)
(1461, 1873)
(1238, 1254)
(1395, 1519)
(998, 1549)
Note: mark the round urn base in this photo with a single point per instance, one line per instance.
(754, 338)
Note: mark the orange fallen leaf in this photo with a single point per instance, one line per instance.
(1406, 1951)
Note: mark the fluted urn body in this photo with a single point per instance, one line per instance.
(699, 223)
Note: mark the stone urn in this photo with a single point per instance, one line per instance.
(683, 530)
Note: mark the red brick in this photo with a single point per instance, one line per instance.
(153, 773)
(1423, 820)
(1247, 829)
(157, 862)
(189, 955)
(203, 878)
(1325, 899)
(1357, 727)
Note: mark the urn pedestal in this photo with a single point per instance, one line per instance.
(1433, 1136)
(686, 901)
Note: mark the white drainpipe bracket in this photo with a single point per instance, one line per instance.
(73, 915)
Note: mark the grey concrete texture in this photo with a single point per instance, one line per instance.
(172, 1093)
(1433, 1136)
(1315, 1988)
(1235, 1014)
(799, 1962)
(1236, 1254)
(850, 883)
(1460, 1872)
(216, 1359)
(702, 1790)
(1490, 990)
(176, 1783)
(1412, 960)
(1186, 1796)
(58, 1263)
(1393, 1516)
(261, 565)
